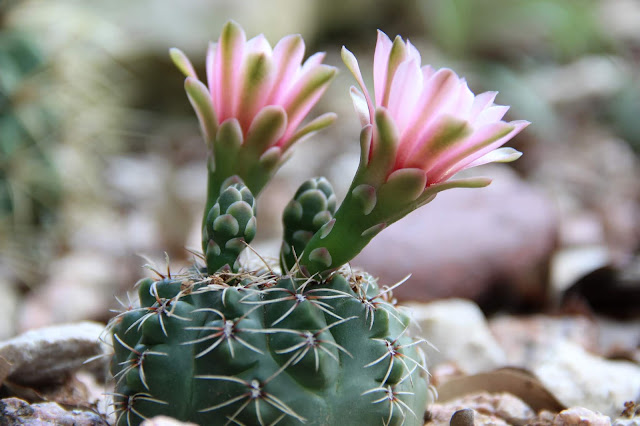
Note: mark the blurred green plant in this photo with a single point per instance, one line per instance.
(62, 113)
(29, 187)
(504, 44)
(554, 29)
(622, 112)
(29, 184)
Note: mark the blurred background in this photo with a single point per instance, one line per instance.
(102, 164)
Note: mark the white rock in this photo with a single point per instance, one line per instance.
(580, 416)
(15, 411)
(49, 353)
(571, 264)
(580, 379)
(459, 331)
(627, 422)
(165, 421)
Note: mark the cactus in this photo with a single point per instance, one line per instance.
(239, 348)
(315, 342)
(260, 347)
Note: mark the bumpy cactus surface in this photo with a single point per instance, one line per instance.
(313, 206)
(312, 342)
(260, 349)
(229, 226)
(257, 347)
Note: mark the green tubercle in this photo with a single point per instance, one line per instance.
(311, 210)
(229, 225)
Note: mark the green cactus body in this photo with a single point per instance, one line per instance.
(246, 349)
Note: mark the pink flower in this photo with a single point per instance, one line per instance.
(247, 79)
(254, 102)
(426, 120)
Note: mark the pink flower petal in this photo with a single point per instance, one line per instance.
(479, 139)
(211, 74)
(254, 88)
(482, 101)
(258, 44)
(305, 94)
(462, 107)
(352, 64)
(403, 93)
(481, 142)
(500, 155)
(438, 137)
(287, 56)
(397, 56)
(360, 105)
(413, 53)
(427, 72)
(491, 114)
(437, 91)
(229, 58)
(380, 65)
(312, 62)
(518, 126)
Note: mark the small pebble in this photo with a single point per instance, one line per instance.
(462, 418)
(50, 353)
